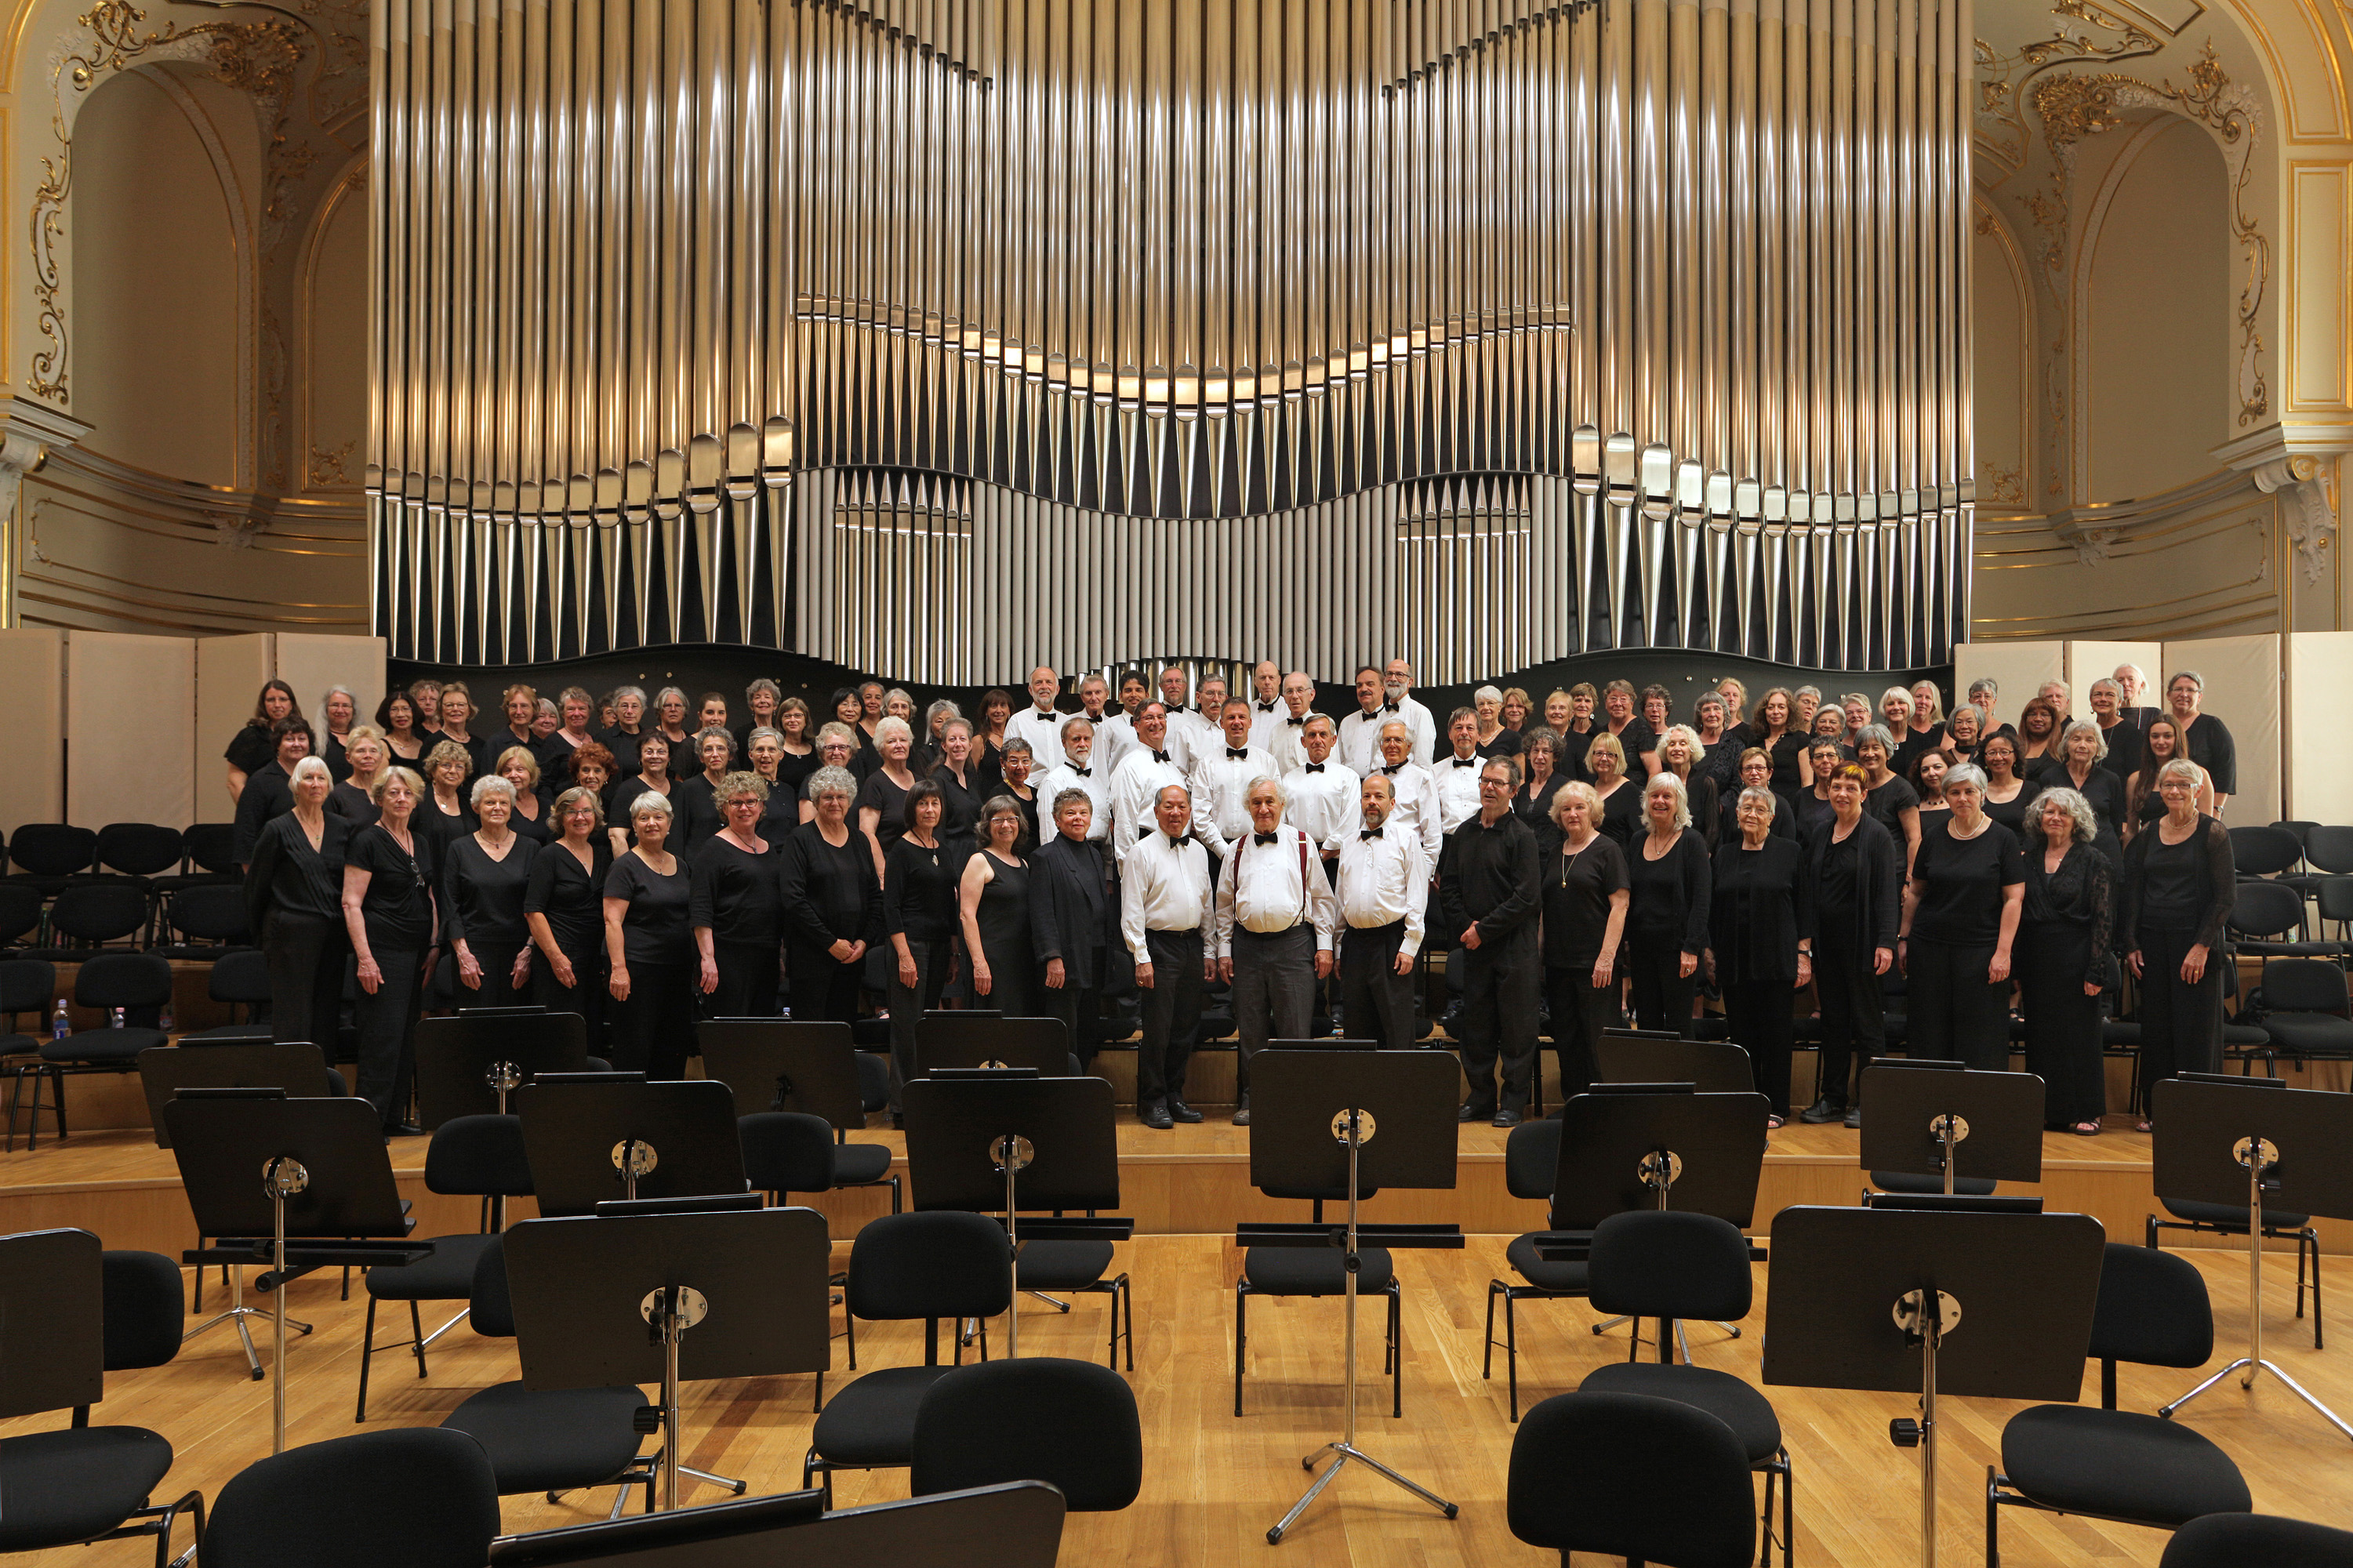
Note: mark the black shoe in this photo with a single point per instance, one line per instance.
(1155, 1116)
(1242, 1112)
(1822, 1110)
(1180, 1111)
(1854, 1116)
(1473, 1111)
(403, 1130)
(1506, 1117)
(898, 1121)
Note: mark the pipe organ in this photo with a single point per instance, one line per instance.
(941, 337)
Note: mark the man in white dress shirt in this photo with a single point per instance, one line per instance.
(1384, 877)
(1266, 705)
(1287, 735)
(1416, 810)
(1078, 772)
(1457, 777)
(1039, 723)
(1360, 733)
(1116, 736)
(1146, 770)
(1199, 729)
(1220, 778)
(1274, 926)
(1322, 791)
(1397, 688)
(1167, 908)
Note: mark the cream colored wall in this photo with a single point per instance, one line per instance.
(2021, 668)
(2091, 661)
(129, 773)
(312, 664)
(2242, 681)
(2319, 751)
(33, 663)
(2004, 366)
(333, 437)
(229, 673)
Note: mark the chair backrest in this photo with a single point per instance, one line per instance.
(2263, 851)
(2240, 1540)
(417, 1496)
(2329, 847)
(144, 1310)
(2266, 911)
(2153, 1309)
(787, 1151)
(1070, 1424)
(1532, 1159)
(139, 848)
(941, 1264)
(210, 846)
(125, 980)
(20, 908)
(490, 1304)
(1626, 1475)
(1650, 1263)
(240, 978)
(2304, 986)
(26, 985)
(874, 1080)
(52, 848)
(210, 912)
(2332, 894)
(99, 911)
(478, 1156)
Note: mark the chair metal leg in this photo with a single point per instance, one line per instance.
(416, 1337)
(367, 1352)
(1065, 1306)
(1993, 1519)
(1487, 1355)
(1241, 1339)
(1397, 1351)
(1512, 1350)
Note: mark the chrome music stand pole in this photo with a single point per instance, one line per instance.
(282, 1178)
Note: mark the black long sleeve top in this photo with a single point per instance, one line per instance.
(736, 893)
(2080, 892)
(2217, 888)
(1760, 905)
(289, 876)
(919, 892)
(1487, 873)
(482, 899)
(829, 894)
(1670, 894)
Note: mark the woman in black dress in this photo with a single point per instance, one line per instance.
(1017, 765)
(734, 905)
(1540, 755)
(2205, 740)
(837, 747)
(389, 872)
(484, 876)
(1927, 778)
(1583, 884)
(800, 759)
(2180, 883)
(669, 714)
(563, 906)
(366, 759)
(1666, 920)
(338, 712)
(1622, 798)
(395, 718)
(1619, 719)
(2008, 793)
(294, 905)
(576, 711)
(649, 953)
(832, 902)
(2064, 962)
(2160, 743)
(1719, 747)
(919, 915)
(1761, 936)
(1781, 738)
(1811, 813)
(988, 739)
(1927, 728)
(630, 727)
(1964, 732)
(653, 777)
(1856, 871)
(1888, 799)
(883, 800)
(444, 813)
(253, 748)
(1961, 910)
(696, 800)
(2038, 736)
(1496, 739)
(520, 767)
(763, 747)
(993, 903)
(1584, 704)
(2077, 765)
(1755, 772)
(268, 791)
(455, 726)
(959, 784)
(1681, 754)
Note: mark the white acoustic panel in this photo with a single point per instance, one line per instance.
(229, 673)
(2091, 661)
(33, 668)
(311, 663)
(137, 772)
(2019, 667)
(2242, 676)
(2319, 751)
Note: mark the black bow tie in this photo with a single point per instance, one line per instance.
(1159, 756)
(1083, 772)
(1237, 755)
(1176, 841)
(1264, 837)
(1315, 767)
(1392, 767)
(1296, 724)
(1266, 707)
(1389, 707)
(1463, 761)
(1368, 833)
(1046, 713)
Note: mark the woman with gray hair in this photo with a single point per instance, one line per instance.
(2180, 883)
(2077, 764)
(2064, 962)
(1760, 942)
(1960, 920)
(837, 747)
(992, 908)
(1668, 883)
(669, 723)
(832, 901)
(649, 953)
(388, 916)
(1495, 740)
(563, 906)
(733, 904)
(485, 877)
(2205, 740)
(338, 712)
(294, 906)
(882, 799)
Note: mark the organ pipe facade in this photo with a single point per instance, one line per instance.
(940, 337)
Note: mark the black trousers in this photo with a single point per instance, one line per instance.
(2181, 1025)
(1662, 992)
(1500, 983)
(306, 958)
(1580, 1011)
(1079, 1008)
(1952, 1012)
(909, 1002)
(1762, 1019)
(586, 995)
(748, 978)
(1171, 1006)
(499, 989)
(2062, 1025)
(1274, 989)
(387, 1027)
(653, 1031)
(1376, 1001)
(1855, 1016)
(824, 989)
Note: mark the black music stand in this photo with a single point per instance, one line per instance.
(1951, 1123)
(468, 1065)
(297, 1066)
(595, 1138)
(1016, 1525)
(2228, 1141)
(992, 1041)
(1323, 1118)
(663, 1291)
(261, 1169)
(1004, 1142)
(776, 1064)
(1714, 1066)
(1845, 1308)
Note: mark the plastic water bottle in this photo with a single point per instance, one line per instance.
(164, 1021)
(114, 1020)
(59, 1025)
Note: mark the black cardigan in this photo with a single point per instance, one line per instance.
(2218, 891)
(1879, 891)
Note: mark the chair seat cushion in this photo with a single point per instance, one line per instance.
(871, 1421)
(104, 1045)
(1313, 1271)
(553, 1439)
(68, 1485)
(1063, 1265)
(447, 1276)
(2080, 1459)
(1568, 1278)
(856, 1165)
(2231, 1217)
(1739, 1406)
(19, 1046)
(2309, 1032)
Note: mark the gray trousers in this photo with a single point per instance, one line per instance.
(1274, 988)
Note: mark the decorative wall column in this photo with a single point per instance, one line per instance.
(29, 431)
